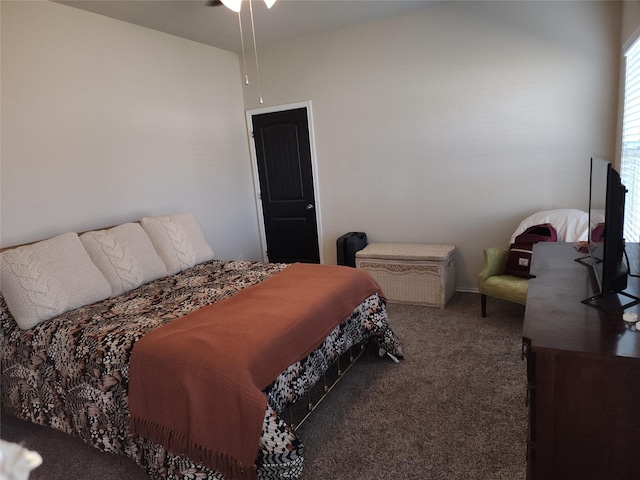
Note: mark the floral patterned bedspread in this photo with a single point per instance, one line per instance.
(71, 372)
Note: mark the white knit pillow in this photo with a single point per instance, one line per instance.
(44, 279)
(179, 240)
(125, 256)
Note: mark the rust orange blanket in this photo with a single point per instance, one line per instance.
(195, 384)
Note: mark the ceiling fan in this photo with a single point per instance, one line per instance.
(236, 6)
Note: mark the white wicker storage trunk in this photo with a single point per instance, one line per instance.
(411, 273)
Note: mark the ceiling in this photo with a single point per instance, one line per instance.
(218, 26)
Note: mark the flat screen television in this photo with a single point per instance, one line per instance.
(606, 241)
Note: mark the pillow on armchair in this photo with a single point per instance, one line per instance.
(572, 225)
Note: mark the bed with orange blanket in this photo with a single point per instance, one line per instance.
(74, 372)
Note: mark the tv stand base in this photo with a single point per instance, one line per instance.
(611, 302)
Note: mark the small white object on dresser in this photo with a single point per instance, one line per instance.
(418, 274)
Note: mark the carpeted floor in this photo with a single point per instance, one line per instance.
(453, 409)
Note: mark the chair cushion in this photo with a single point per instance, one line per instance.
(507, 287)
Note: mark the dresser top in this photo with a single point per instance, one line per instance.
(556, 318)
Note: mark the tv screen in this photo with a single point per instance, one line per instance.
(606, 225)
(597, 207)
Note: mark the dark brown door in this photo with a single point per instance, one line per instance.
(283, 154)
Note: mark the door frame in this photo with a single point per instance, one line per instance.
(256, 181)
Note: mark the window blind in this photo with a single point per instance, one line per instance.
(630, 161)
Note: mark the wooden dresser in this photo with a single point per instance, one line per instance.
(583, 374)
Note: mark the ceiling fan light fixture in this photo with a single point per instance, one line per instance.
(234, 5)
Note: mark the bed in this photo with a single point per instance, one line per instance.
(71, 372)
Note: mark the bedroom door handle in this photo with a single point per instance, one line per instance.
(310, 206)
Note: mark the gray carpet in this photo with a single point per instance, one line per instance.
(453, 409)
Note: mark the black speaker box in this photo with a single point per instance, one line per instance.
(347, 245)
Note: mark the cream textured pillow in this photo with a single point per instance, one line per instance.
(178, 240)
(125, 256)
(45, 279)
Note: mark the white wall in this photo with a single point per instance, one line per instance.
(451, 125)
(105, 122)
(630, 22)
(447, 126)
